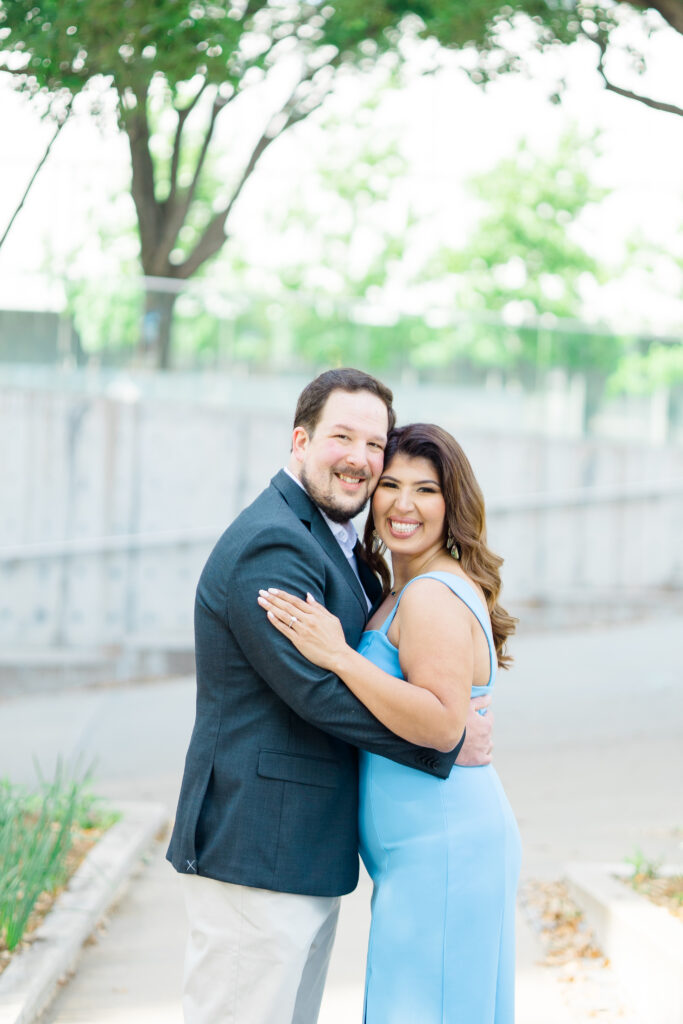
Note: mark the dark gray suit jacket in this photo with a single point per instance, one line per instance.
(269, 794)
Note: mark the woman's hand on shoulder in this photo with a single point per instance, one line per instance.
(314, 631)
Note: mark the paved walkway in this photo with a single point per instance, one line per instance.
(588, 728)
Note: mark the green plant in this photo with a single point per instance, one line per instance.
(642, 867)
(36, 831)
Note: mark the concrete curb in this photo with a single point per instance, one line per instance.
(643, 941)
(30, 981)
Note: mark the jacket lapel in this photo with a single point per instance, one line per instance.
(300, 503)
(371, 585)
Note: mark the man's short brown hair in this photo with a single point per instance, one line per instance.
(313, 397)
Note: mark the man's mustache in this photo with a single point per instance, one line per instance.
(353, 475)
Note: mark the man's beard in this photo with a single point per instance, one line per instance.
(334, 511)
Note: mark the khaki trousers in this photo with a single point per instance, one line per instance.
(255, 956)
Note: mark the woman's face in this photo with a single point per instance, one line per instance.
(408, 506)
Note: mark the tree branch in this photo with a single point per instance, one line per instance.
(175, 158)
(60, 125)
(600, 42)
(212, 240)
(147, 206)
(668, 108)
(214, 235)
(293, 117)
(218, 105)
(175, 212)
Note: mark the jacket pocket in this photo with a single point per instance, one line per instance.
(309, 771)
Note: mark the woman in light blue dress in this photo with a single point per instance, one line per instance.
(443, 854)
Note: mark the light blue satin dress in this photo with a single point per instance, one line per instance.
(444, 857)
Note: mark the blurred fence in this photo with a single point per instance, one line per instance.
(568, 377)
(113, 498)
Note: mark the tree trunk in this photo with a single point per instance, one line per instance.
(157, 321)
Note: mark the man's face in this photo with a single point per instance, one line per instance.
(339, 464)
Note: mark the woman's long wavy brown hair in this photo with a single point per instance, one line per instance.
(465, 517)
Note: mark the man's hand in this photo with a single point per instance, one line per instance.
(478, 746)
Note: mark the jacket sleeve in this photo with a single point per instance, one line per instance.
(275, 559)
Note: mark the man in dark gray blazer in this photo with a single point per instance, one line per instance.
(265, 834)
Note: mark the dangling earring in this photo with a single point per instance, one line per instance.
(453, 548)
(378, 545)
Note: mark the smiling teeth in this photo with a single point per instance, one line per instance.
(349, 479)
(404, 527)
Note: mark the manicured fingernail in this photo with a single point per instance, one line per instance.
(272, 590)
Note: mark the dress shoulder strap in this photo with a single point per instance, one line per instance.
(468, 595)
(384, 628)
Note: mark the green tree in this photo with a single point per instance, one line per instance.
(176, 66)
(525, 263)
(659, 365)
(617, 30)
(349, 233)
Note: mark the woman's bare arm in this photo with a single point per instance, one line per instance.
(435, 649)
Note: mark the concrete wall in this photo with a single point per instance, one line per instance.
(114, 491)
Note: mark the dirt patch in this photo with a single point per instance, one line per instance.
(564, 933)
(665, 892)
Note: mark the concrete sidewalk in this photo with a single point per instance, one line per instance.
(131, 973)
(588, 728)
